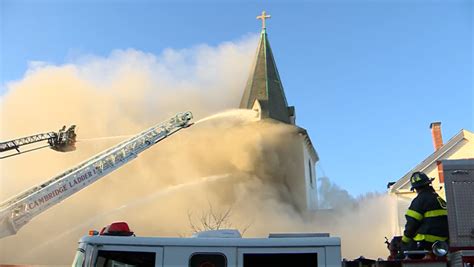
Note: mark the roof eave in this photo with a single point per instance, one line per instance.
(308, 142)
(429, 160)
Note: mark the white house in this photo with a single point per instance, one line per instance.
(460, 146)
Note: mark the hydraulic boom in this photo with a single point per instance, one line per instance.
(63, 141)
(19, 210)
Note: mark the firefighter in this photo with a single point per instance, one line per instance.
(427, 220)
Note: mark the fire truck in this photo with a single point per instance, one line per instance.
(116, 244)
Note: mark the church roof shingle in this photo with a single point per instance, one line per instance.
(264, 84)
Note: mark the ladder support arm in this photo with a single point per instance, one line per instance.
(19, 210)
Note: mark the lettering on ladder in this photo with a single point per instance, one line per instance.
(59, 191)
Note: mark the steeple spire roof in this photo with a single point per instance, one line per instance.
(264, 84)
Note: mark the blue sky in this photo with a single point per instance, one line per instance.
(367, 77)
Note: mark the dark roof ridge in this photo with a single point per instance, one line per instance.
(431, 158)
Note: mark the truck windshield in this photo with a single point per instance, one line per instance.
(109, 258)
(79, 258)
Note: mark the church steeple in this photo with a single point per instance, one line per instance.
(264, 87)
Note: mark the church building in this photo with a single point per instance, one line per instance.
(264, 93)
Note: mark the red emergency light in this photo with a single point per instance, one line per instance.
(117, 229)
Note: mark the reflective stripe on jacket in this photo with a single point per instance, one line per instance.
(427, 218)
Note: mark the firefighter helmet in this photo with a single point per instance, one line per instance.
(419, 179)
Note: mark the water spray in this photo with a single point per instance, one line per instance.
(104, 138)
(135, 203)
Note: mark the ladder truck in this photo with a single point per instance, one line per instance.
(20, 209)
(62, 141)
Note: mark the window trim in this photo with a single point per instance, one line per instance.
(321, 251)
(158, 250)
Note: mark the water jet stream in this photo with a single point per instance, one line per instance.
(105, 138)
(135, 203)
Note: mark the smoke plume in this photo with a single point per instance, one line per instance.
(228, 158)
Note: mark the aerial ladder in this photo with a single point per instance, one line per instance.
(20, 209)
(63, 141)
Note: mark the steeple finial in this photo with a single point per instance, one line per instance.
(263, 17)
(264, 90)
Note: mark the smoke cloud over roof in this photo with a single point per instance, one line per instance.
(228, 158)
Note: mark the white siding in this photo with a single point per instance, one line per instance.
(462, 150)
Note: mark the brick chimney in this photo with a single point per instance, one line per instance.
(436, 133)
(437, 143)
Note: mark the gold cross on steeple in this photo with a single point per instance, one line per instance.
(263, 17)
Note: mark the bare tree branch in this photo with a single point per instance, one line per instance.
(212, 219)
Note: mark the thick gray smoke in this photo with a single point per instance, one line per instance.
(229, 159)
(331, 196)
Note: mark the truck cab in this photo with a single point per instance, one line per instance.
(116, 246)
